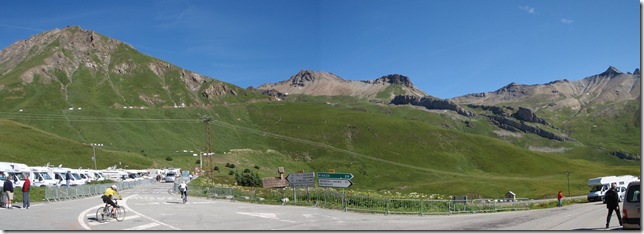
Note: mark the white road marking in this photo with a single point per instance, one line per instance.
(144, 226)
(266, 216)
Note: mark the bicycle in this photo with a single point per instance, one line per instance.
(104, 214)
(184, 197)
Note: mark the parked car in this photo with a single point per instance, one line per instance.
(621, 190)
(170, 177)
(631, 206)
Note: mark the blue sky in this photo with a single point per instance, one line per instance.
(448, 48)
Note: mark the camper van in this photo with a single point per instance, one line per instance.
(59, 175)
(600, 185)
(16, 170)
(42, 177)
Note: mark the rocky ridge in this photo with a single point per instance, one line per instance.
(609, 86)
(328, 84)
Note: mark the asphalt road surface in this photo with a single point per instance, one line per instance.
(152, 208)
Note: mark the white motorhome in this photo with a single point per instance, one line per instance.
(600, 185)
(115, 175)
(60, 176)
(16, 170)
(42, 176)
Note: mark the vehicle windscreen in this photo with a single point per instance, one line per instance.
(76, 176)
(596, 188)
(20, 176)
(45, 175)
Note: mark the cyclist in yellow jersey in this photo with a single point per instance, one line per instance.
(107, 197)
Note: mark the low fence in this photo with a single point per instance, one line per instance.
(59, 193)
(334, 199)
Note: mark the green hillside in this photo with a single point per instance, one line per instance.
(148, 114)
(383, 146)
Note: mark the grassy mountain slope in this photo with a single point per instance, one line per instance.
(132, 104)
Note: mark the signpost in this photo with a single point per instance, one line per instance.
(301, 179)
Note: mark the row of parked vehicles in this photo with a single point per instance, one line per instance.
(44, 176)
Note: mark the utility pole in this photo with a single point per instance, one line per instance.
(206, 119)
(94, 145)
(568, 174)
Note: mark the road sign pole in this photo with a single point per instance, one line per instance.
(294, 195)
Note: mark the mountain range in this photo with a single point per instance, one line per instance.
(64, 89)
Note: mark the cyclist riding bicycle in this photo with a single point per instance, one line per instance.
(107, 197)
(183, 188)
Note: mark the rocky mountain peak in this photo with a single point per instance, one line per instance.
(636, 72)
(305, 77)
(395, 79)
(611, 71)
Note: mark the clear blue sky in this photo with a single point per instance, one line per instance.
(447, 47)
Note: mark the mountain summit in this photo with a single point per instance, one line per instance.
(74, 67)
(328, 84)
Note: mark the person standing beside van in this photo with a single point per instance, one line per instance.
(25, 192)
(612, 204)
(68, 177)
(8, 190)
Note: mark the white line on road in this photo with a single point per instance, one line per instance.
(153, 220)
(144, 226)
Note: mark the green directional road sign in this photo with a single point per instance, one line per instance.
(339, 176)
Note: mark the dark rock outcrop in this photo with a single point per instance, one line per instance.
(431, 104)
(625, 156)
(497, 110)
(511, 125)
(395, 79)
(527, 115)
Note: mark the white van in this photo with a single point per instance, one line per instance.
(42, 176)
(631, 206)
(60, 176)
(16, 170)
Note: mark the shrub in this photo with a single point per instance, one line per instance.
(168, 158)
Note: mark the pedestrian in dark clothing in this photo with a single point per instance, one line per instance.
(8, 190)
(25, 192)
(612, 204)
(68, 177)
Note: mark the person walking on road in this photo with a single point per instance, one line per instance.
(612, 204)
(559, 199)
(25, 192)
(8, 190)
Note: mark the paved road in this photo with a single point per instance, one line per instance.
(152, 208)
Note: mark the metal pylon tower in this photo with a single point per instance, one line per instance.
(206, 119)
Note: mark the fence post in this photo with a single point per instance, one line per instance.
(344, 201)
(386, 206)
